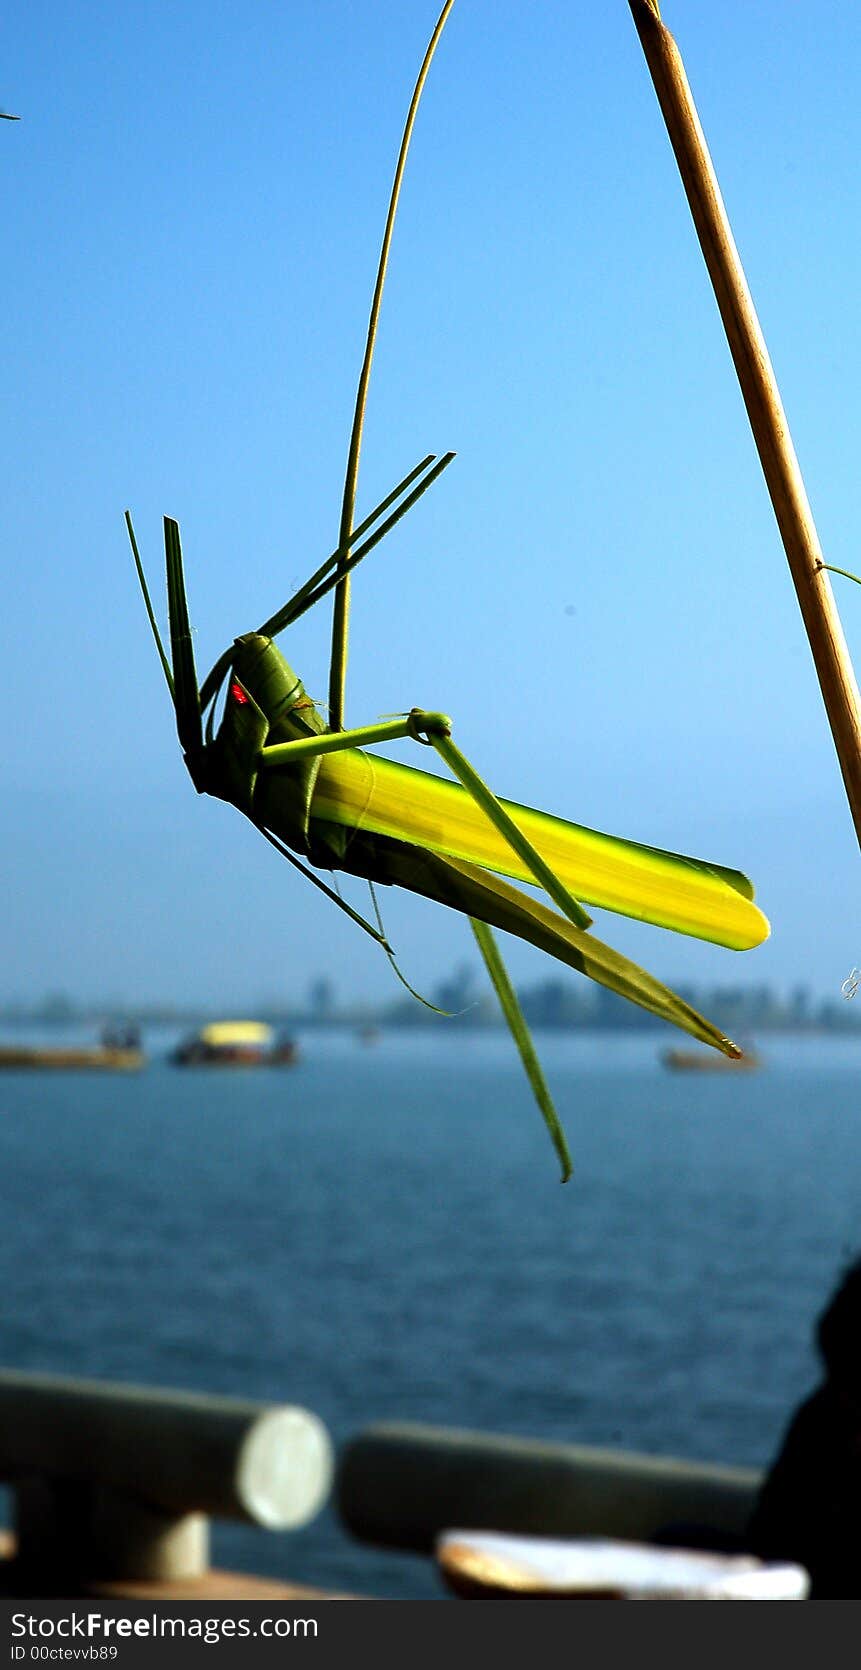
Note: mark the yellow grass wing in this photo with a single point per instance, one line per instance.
(710, 902)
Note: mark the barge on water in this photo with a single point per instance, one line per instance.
(119, 1051)
(235, 1044)
(708, 1061)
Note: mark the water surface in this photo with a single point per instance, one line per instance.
(379, 1233)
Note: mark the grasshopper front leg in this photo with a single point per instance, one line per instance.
(435, 728)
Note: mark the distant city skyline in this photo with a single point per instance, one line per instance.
(464, 995)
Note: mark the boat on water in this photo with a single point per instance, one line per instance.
(235, 1044)
(119, 1051)
(709, 1061)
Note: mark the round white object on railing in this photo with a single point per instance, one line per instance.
(284, 1469)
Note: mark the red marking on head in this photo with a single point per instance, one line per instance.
(238, 694)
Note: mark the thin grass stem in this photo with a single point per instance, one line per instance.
(341, 613)
(846, 572)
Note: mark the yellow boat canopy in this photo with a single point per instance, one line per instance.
(234, 1034)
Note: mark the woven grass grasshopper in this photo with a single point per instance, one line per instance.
(314, 791)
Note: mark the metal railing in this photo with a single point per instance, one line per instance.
(401, 1485)
(114, 1481)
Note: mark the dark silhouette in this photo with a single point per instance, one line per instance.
(809, 1508)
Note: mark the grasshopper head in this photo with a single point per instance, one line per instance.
(263, 695)
(279, 693)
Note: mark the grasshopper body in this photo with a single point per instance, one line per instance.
(314, 794)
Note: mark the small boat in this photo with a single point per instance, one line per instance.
(118, 1052)
(709, 1061)
(235, 1044)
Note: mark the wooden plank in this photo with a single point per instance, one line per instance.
(213, 1585)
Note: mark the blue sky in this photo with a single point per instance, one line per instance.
(192, 208)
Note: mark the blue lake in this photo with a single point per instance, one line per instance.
(379, 1233)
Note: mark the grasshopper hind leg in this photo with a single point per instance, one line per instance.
(519, 1029)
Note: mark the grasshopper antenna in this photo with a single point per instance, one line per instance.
(326, 577)
(149, 608)
(186, 697)
(323, 580)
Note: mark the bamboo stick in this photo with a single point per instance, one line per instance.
(761, 397)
